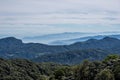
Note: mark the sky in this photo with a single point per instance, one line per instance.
(38, 17)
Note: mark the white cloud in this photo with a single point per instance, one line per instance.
(33, 13)
(58, 5)
(59, 11)
(61, 19)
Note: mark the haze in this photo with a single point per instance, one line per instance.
(37, 17)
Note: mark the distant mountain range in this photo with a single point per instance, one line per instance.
(46, 39)
(65, 38)
(71, 41)
(92, 49)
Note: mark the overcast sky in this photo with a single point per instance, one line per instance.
(36, 17)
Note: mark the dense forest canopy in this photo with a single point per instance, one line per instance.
(21, 69)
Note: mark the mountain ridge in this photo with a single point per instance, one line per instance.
(81, 39)
(34, 51)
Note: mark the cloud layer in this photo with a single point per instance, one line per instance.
(27, 13)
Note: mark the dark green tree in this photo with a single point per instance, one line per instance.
(82, 72)
(59, 74)
(105, 74)
(111, 57)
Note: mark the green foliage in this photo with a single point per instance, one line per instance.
(86, 71)
(19, 69)
(111, 57)
(73, 57)
(59, 74)
(116, 70)
(105, 74)
(83, 71)
(43, 77)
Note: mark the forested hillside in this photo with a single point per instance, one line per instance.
(73, 57)
(19, 69)
(91, 49)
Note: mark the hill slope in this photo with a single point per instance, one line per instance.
(73, 57)
(19, 69)
(14, 48)
(81, 39)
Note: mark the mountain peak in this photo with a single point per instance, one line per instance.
(91, 40)
(109, 38)
(11, 40)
